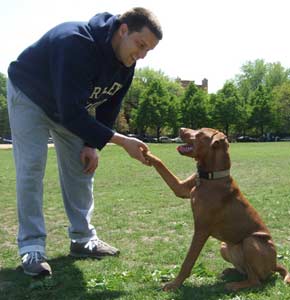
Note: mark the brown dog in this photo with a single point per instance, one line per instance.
(220, 210)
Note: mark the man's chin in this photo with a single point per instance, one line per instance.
(129, 64)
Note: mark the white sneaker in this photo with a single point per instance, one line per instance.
(34, 264)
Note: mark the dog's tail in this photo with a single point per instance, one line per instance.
(284, 273)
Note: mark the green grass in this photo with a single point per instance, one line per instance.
(135, 211)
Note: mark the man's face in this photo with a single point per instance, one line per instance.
(135, 45)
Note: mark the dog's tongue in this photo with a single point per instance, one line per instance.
(182, 149)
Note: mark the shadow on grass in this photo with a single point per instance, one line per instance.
(218, 291)
(67, 282)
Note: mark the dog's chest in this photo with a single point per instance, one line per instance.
(204, 199)
(193, 195)
(195, 198)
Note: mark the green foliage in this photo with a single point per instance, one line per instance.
(152, 102)
(253, 74)
(227, 108)
(4, 121)
(262, 114)
(276, 75)
(256, 85)
(142, 78)
(281, 105)
(194, 107)
(174, 114)
(3, 85)
(252, 103)
(153, 107)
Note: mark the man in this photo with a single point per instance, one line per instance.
(53, 87)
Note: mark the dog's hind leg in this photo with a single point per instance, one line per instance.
(258, 260)
(234, 255)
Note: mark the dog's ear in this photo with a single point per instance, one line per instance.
(219, 140)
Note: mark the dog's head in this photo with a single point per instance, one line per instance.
(204, 145)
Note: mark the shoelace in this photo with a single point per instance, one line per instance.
(32, 257)
(91, 244)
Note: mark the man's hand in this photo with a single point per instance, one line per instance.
(150, 158)
(135, 149)
(133, 146)
(90, 159)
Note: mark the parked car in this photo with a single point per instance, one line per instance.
(6, 141)
(149, 139)
(164, 139)
(285, 139)
(246, 138)
(176, 140)
(269, 138)
(144, 138)
(50, 140)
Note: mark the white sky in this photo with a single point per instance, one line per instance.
(202, 38)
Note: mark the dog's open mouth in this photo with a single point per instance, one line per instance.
(184, 149)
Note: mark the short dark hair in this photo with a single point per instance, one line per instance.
(139, 17)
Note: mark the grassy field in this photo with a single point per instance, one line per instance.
(137, 213)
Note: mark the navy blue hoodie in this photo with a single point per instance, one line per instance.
(73, 69)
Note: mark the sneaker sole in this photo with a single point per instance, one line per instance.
(42, 273)
(79, 255)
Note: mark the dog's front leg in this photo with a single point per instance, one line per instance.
(198, 241)
(180, 188)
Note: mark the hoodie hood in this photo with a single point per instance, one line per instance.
(102, 28)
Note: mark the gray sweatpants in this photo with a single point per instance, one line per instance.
(30, 129)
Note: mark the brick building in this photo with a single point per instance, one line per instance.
(203, 85)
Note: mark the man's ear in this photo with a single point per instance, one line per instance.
(123, 29)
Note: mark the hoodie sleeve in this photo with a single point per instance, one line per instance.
(71, 63)
(107, 113)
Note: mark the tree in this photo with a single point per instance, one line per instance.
(131, 100)
(4, 121)
(281, 106)
(227, 108)
(194, 107)
(3, 80)
(174, 118)
(262, 114)
(173, 114)
(152, 111)
(276, 75)
(253, 75)
(121, 123)
(256, 84)
(141, 79)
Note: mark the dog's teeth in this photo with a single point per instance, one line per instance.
(185, 148)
